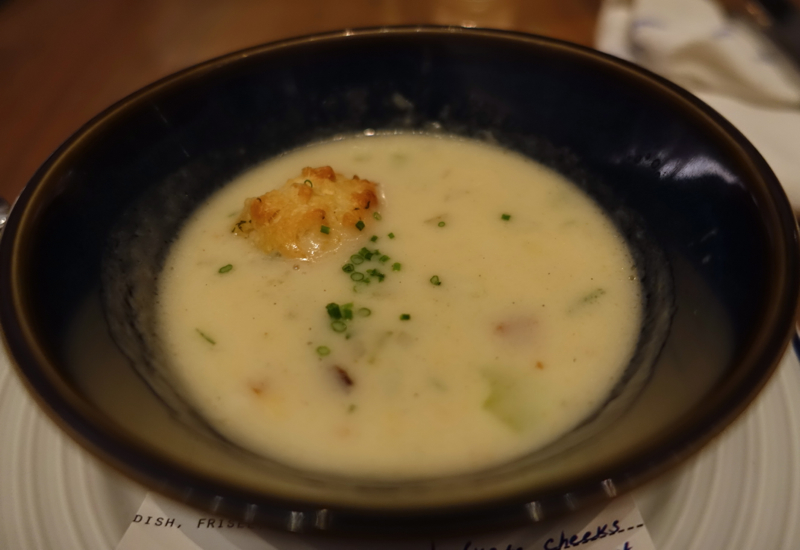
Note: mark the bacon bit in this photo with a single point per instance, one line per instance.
(518, 331)
(258, 387)
(343, 432)
(344, 377)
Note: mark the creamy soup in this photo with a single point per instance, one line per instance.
(489, 308)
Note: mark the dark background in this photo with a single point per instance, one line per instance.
(63, 61)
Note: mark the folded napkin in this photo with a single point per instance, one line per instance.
(723, 61)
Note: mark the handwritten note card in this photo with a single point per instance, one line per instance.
(161, 523)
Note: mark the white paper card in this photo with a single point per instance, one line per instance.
(164, 524)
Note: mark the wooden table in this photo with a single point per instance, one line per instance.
(63, 61)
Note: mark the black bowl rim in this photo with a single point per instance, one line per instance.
(79, 419)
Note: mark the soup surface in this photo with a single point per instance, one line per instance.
(495, 309)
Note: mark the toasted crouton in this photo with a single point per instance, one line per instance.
(291, 220)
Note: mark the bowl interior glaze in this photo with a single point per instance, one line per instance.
(689, 184)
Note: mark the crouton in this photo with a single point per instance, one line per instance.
(309, 215)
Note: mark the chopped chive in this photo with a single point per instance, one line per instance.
(357, 276)
(435, 280)
(383, 259)
(441, 224)
(348, 268)
(373, 238)
(364, 312)
(322, 351)
(333, 311)
(506, 217)
(309, 183)
(347, 311)
(396, 266)
(356, 259)
(325, 229)
(405, 317)
(205, 336)
(338, 326)
(593, 296)
(360, 225)
(377, 274)
(376, 215)
(363, 252)
(225, 268)
(391, 235)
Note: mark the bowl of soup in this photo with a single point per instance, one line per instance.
(400, 280)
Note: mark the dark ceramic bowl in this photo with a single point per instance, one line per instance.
(714, 236)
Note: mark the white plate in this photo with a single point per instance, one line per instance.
(741, 492)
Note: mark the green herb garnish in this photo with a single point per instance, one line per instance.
(441, 224)
(383, 259)
(435, 280)
(396, 266)
(373, 238)
(391, 235)
(364, 312)
(347, 311)
(357, 276)
(309, 183)
(356, 259)
(333, 311)
(376, 215)
(225, 268)
(506, 217)
(322, 351)
(405, 317)
(348, 268)
(360, 225)
(587, 299)
(593, 296)
(377, 274)
(325, 229)
(338, 326)
(205, 336)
